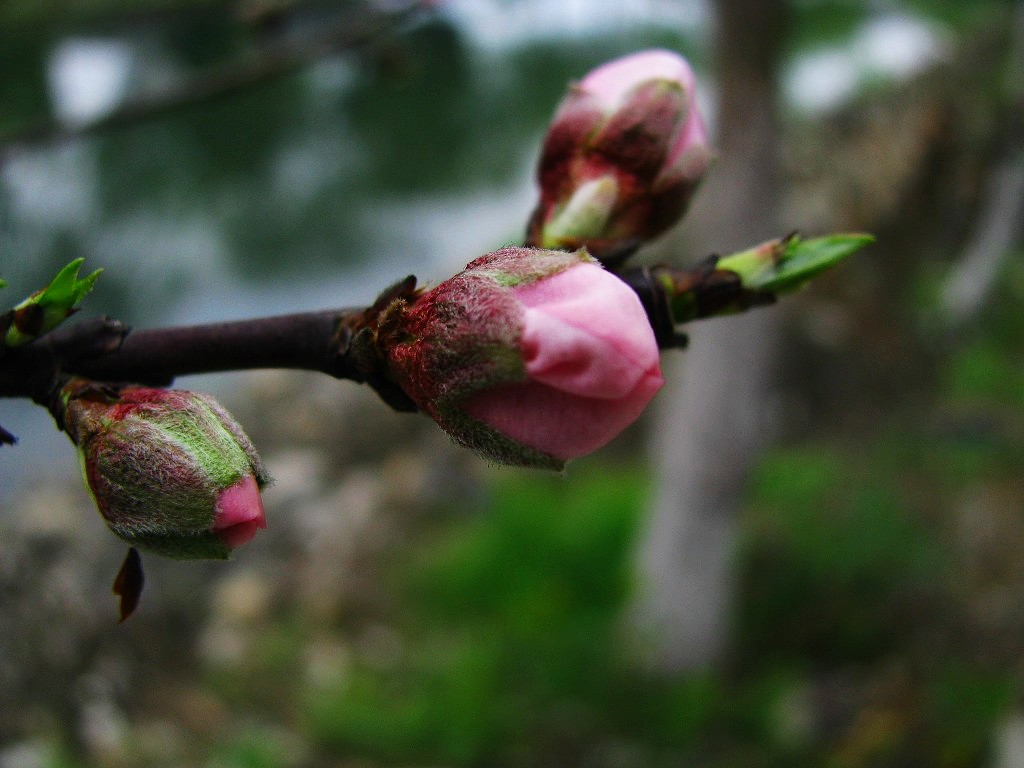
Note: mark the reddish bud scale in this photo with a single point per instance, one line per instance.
(463, 334)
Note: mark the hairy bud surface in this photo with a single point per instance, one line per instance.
(171, 471)
(530, 357)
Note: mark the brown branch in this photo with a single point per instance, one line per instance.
(324, 341)
(273, 61)
(340, 342)
(337, 342)
(308, 341)
(104, 350)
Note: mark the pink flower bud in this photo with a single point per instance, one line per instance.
(530, 357)
(239, 513)
(170, 471)
(623, 156)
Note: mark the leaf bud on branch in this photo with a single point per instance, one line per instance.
(45, 309)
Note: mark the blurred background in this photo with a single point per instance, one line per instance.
(810, 552)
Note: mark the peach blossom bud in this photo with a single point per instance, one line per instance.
(170, 470)
(528, 356)
(623, 156)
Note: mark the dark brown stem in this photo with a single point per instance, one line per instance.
(310, 340)
(338, 342)
(103, 350)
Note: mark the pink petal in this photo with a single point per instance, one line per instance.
(690, 153)
(611, 82)
(239, 513)
(591, 358)
(558, 423)
(574, 360)
(585, 332)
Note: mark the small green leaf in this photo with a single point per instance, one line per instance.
(785, 265)
(46, 309)
(805, 259)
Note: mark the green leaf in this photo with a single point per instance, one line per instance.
(782, 266)
(46, 309)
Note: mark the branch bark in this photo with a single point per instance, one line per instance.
(104, 350)
(273, 61)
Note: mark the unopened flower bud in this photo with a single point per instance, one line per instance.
(170, 470)
(530, 357)
(623, 156)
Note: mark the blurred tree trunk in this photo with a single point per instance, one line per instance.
(1000, 221)
(712, 412)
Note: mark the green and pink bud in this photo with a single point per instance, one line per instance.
(529, 357)
(171, 471)
(624, 154)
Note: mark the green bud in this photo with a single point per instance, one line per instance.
(46, 309)
(587, 211)
(782, 266)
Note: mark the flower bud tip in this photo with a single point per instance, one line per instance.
(239, 513)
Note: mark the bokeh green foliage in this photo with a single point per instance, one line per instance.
(512, 621)
(844, 553)
(512, 644)
(296, 175)
(986, 369)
